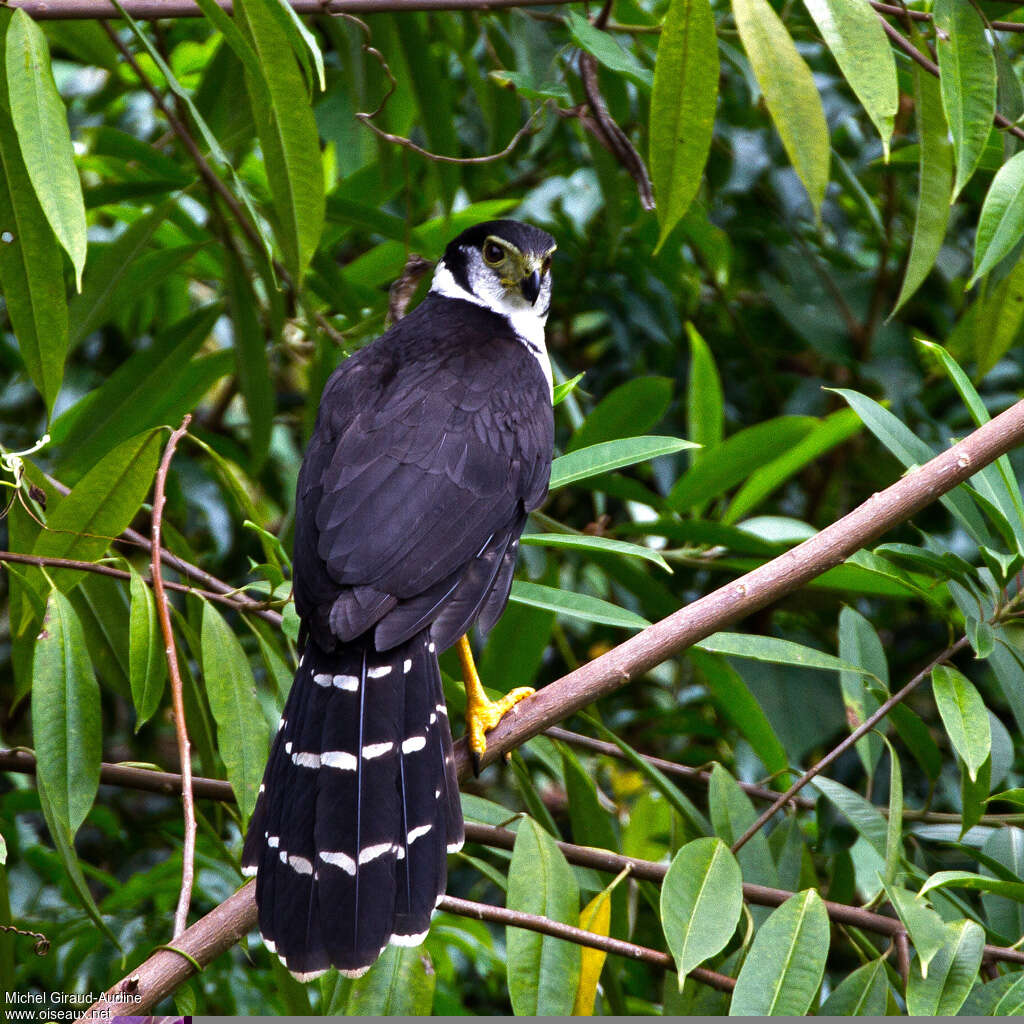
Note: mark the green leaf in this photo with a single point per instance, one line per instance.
(935, 183)
(543, 972)
(682, 112)
(859, 645)
(591, 824)
(66, 724)
(41, 123)
(952, 973)
(894, 834)
(770, 648)
(242, 733)
(1004, 850)
(701, 903)
(926, 929)
(912, 451)
(100, 506)
(964, 715)
(789, 93)
(833, 430)
(968, 81)
(630, 410)
(1002, 217)
(399, 984)
(975, 883)
(784, 967)
(734, 699)
(31, 272)
(147, 661)
(736, 458)
(579, 606)
(604, 48)
(251, 359)
(867, 819)
(107, 271)
(732, 814)
(288, 136)
(585, 542)
(678, 801)
(562, 391)
(705, 415)
(609, 455)
(860, 994)
(862, 51)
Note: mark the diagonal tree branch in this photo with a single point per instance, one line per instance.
(225, 925)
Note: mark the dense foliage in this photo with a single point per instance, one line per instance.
(829, 292)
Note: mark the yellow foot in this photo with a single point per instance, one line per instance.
(482, 713)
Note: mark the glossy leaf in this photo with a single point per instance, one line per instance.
(147, 661)
(609, 455)
(543, 972)
(784, 967)
(857, 41)
(935, 184)
(66, 724)
(603, 46)
(288, 136)
(951, 974)
(586, 542)
(964, 716)
(630, 410)
(579, 606)
(736, 458)
(704, 403)
(31, 272)
(682, 112)
(41, 124)
(401, 983)
(732, 813)
(968, 82)
(1001, 224)
(789, 92)
(701, 902)
(860, 994)
(863, 815)
(242, 733)
(100, 506)
(926, 929)
(974, 882)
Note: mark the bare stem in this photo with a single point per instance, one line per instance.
(177, 697)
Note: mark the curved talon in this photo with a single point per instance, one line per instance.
(483, 714)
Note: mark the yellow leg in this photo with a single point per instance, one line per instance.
(481, 713)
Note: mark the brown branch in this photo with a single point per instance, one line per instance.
(758, 588)
(18, 558)
(904, 44)
(150, 10)
(866, 726)
(135, 539)
(177, 698)
(668, 767)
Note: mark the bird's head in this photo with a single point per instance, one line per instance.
(501, 264)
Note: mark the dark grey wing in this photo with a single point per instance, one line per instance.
(425, 459)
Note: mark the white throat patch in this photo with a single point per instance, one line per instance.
(527, 323)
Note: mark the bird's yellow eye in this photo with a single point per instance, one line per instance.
(493, 253)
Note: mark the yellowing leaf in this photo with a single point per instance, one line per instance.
(789, 92)
(595, 917)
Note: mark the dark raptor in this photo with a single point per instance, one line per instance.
(431, 446)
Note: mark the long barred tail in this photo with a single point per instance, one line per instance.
(358, 809)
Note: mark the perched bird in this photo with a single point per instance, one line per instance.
(431, 446)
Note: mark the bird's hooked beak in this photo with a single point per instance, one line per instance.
(530, 287)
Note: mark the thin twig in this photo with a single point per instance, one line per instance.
(866, 726)
(932, 68)
(668, 767)
(366, 118)
(177, 696)
(17, 558)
